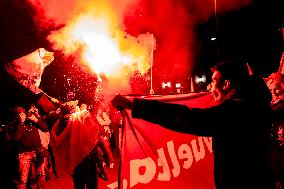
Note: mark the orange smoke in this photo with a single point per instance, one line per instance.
(99, 32)
(103, 47)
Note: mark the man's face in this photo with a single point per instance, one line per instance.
(272, 84)
(280, 135)
(217, 84)
(22, 117)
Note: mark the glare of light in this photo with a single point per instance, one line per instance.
(103, 53)
(213, 39)
(126, 59)
(178, 85)
(167, 84)
(101, 50)
(101, 47)
(200, 79)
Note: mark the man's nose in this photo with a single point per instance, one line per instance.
(209, 87)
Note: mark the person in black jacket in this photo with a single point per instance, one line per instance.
(26, 140)
(239, 124)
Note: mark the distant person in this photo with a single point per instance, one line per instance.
(275, 83)
(42, 154)
(25, 137)
(74, 138)
(239, 125)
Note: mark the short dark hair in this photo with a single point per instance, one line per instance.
(235, 71)
(18, 109)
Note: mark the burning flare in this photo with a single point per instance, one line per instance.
(104, 48)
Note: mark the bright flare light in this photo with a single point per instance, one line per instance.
(103, 54)
(102, 49)
(200, 79)
(98, 42)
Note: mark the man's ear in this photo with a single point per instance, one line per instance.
(227, 85)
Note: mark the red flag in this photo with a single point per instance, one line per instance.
(75, 142)
(28, 69)
(155, 157)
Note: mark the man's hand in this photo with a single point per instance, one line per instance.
(121, 102)
(33, 118)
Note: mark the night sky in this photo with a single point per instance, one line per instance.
(251, 33)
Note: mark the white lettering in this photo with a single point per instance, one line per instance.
(208, 142)
(165, 175)
(173, 156)
(184, 152)
(142, 171)
(114, 185)
(198, 155)
(124, 184)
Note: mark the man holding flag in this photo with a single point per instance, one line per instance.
(239, 124)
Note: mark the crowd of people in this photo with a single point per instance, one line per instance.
(32, 139)
(77, 139)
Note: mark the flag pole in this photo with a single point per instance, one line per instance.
(152, 55)
(281, 66)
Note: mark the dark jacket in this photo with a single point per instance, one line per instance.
(26, 136)
(239, 128)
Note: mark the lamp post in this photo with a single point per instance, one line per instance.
(151, 59)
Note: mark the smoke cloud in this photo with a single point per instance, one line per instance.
(172, 22)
